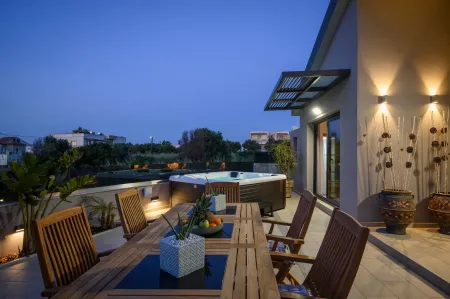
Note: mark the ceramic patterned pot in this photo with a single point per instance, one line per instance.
(182, 257)
(289, 186)
(398, 209)
(439, 207)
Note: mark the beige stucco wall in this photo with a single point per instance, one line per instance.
(400, 48)
(342, 98)
(403, 51)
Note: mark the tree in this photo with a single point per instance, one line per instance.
(231, 147)
(82, 130)
(251, 146)
(271, 143)
(49, 149)
(32, 186)
(285, 158)
(167, 147)
(202, 145)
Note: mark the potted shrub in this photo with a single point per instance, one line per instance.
(439, 204)
(287, 163)
(34, 186)
(183, 252)
(396, 202)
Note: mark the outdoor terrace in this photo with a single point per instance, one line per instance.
(379, 275)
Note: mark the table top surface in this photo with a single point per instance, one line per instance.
(244, 256)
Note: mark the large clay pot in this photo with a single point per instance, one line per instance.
(289, 186)
(398, 209)
(439, 207)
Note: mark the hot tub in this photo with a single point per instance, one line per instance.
(265, 187)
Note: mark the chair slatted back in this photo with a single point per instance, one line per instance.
(231, 190)
(131, 213)
(64, 246)
(339, 256)
(302, 216)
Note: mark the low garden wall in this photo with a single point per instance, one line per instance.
(11, 218)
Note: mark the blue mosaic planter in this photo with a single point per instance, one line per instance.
(182, 257)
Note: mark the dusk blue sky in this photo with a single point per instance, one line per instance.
(150, 68)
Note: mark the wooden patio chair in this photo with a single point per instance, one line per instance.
(297, 228)
(334, 269)
(131, 213)
(64, 247)
(231, 190)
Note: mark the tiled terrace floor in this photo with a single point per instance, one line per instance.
(379, 276)
(424, 246)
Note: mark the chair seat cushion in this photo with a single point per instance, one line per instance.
(297, 289)
(280, 246)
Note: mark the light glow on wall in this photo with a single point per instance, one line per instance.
(432, 107)
(383, 108)
(317, 111)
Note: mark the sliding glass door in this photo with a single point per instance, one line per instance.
(327, 159)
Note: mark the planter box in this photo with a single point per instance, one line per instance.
(218, 203)
(182, 257)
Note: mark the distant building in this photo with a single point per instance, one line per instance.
(12, 149)
(115, 139)
(83, 139)
(262, 137)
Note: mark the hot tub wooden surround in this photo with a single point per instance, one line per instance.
(271, 191)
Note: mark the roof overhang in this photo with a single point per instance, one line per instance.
(295, 90)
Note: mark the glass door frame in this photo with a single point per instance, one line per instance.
(327, 119)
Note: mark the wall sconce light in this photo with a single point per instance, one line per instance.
(154, 198)
(433, 99)
(317, 111)
(382, 99)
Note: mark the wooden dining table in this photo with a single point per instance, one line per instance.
(247, 272)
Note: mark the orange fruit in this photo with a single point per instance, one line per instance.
(217, 221)
(212, 224)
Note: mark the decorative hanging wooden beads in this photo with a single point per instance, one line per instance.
(408, 164)
(444, 130)
(387, 149)
(435, 143)
(385, 135)
(412, 136)
(433, 130)
(389, 164)
(444, 158)
(409, 149)
(437, 160)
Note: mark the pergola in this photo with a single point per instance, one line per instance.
(295, 90)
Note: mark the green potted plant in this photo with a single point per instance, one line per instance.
(105, 210)
(183, 252)
(34, 187)
(287, 163)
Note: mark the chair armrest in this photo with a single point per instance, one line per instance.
(291, 257)
(105, 253)
(285, 240)
(288, 295)
(50, 292)
(273, 221)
